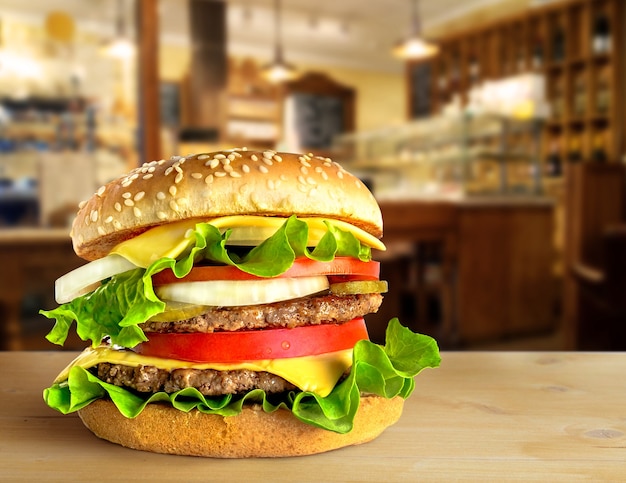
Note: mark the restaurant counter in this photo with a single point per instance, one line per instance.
(498, 416)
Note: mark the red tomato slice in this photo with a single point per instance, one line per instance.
(251, 345)
(302, 267)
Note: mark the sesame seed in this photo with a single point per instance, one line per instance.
(109, 219)
(144, 169)
(225, 161)
(219, 156)
(174, 205)
(268, 154)
(305, 162)
(82, 204)
(302, 188)
(277, 158)
(169, 170)
(182, 201)
(160, 195)
(270, 184)
(127, 183)
(328, 160)
(202, 157)
(137, 212)
(173, 190)
(139, 195)
(117, 225)
(267, 161)
(101, 231)
(220, 174)
(127, 195)
(311, 181)
(228, 168)
(178, 178)
(245, 168)
(209, 179)
(94, 215)
(129, 202)
(231, 157)
(238, 155)
(324, 175)
(86, 220)
(151, 169)
(304, 170)
(160, 162)
(284, 177)
(117, 207)
(263, 169)
(318, 169)
(196, 175)
(235, 174)
(134, 177)
(161, 215)
(340, 174)
(254, 157)
(100, 191)
(357, 183)
(301, 179)
(244, 148)
(148, 176)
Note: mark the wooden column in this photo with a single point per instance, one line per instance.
(148, 81)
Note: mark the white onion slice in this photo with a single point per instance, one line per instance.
(230, 293)
(84, 279)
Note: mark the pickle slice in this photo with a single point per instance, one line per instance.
(175, 311)
(356, 287)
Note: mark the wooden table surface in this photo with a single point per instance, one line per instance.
(481, 416)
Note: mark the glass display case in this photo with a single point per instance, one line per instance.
(448, 157)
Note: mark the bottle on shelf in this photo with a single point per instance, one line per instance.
(580, 95)
(537, 60)
(558, 99)
(603, 92)
(558, 43)
(554, 165)
(601, 39)
(474, 70)
(598, 153)
(574, 154)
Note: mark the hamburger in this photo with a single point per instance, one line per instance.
(224, 302)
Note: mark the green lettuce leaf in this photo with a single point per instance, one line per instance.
(120, 304)
(386, 371)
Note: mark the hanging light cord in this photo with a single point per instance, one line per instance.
(278, 48)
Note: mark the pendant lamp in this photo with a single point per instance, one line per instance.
(415, 47)
(278, 70)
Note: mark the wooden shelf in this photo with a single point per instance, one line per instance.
(583, 83)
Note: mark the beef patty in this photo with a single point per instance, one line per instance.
(209, 382)
(292, 313)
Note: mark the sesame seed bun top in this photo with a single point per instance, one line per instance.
(210, 185)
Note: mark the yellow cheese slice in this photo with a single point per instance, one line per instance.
(317, 374)
(174, 238)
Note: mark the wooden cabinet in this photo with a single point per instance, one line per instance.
(505, 286)
(574, 44)
(468, 272)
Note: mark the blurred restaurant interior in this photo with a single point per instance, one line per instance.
(495, 147)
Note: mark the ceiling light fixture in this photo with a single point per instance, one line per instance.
(415, 46)
(278, 70)
(120, 47)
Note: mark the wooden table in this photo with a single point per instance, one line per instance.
(480, 416)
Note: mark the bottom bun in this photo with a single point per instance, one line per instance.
(253, 433)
